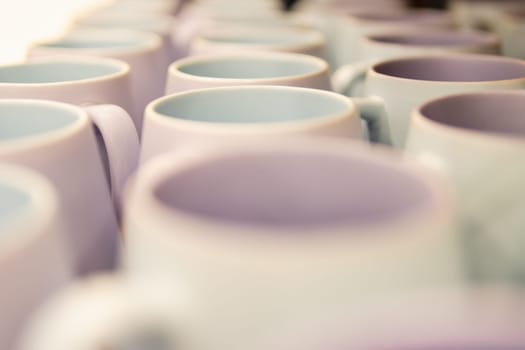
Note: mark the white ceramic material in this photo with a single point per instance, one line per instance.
(511, 28)
(113, 312)
(250, 38)
(162, 7)
(270, 68)
(206, 117)
(483, 14)
(479, 141)
(142, 51)
(405, 83)
(161, 25)
(352, 28)
(58, 140)
(262, 231)
(474, 318)
(33, 259)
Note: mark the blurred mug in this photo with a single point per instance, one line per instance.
(34, 262)
(58, 140)
(246, 38)
(201, 118)
(478, 139)
(259, 231)
(405, 83)
(142, 51)
(270, 68)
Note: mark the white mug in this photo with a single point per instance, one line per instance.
(34, 262)
(466, 318)
(257, 232)
(58, 140)
(250, 38)
(402, 84)
(270, 68)
(478, 139)
(206, 117)
(142, 51)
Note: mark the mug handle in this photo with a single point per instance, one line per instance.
(121, 143)
(372, 110)
(346, 78)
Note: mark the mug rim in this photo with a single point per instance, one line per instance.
(162, 168)
(41, 210)
(160, 24)
(483, 39)
(321, 65)
(412, 17)
(81, 121)
(212, 127)
(123, 69)
(420, 117)
(373, 70)
(147, 42)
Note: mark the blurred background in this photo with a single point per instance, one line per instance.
(26, 21)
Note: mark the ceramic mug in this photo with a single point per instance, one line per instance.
(250, 38)
(112, 312)
(270, 68)
(469, 318)
(405, 83)
(142, 51)
(58, 140)
(161, 25)
(478, 139)
(33, 260)
(206, 117)
(511, 27)
(352, 28)
(259, 231)
(377, 48)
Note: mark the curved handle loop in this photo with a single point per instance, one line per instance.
(373, 112)
(121, 145)
(346, 78)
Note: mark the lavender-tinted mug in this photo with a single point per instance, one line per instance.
(258, 231)
(59, 141)
(34, 262)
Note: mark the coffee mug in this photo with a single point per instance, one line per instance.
(112, 312)
(58, 140)
(259, 231)
(377, 48)
(270, 68)
(250, 38)
(470, 318)
(405, 83)
(142, 51)
(161, 25)
(482, 14)
(352, 28)
(478, 139)
(33, 260)
(511, 27)
(201, 118)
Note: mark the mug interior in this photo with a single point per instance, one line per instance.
(498, 113)
(433, 39)
(259, 37)
(294, 190)
(253, 105)
(55, 72)
(13, 201)
(249, 67)
(147, 22)
(99, 43)
(400, 16)
(24, 120)
(474, 68)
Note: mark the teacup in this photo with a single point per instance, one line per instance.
(478, 139)
(257, 232)
(58, 140)
(405, 83)
(207, 117)
(142, 51)
(270, 68)
(33, 258)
